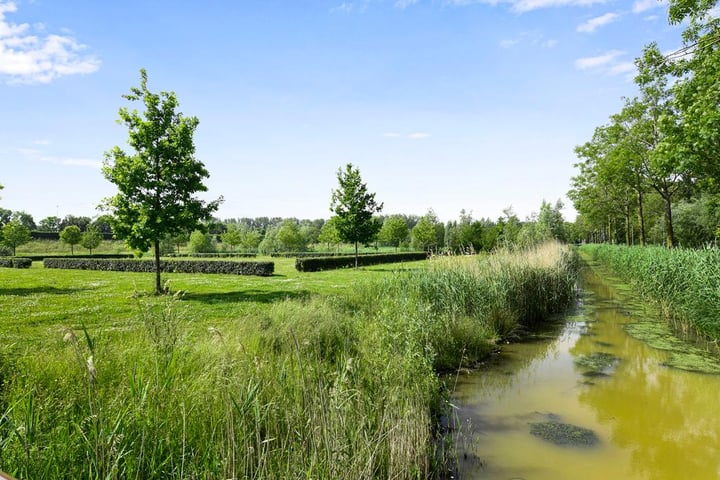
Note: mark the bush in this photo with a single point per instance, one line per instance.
(212, 255)
(316, 264)
(15, 262)
(168, 266)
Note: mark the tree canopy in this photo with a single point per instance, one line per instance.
(158, 182)
(354, 208)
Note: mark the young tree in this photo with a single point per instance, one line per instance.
(72, 236)
(15, 234)
(290, 237)
(329, 233)
(233, 236)
(425, 232)
(91, 238)
(26, 219)
(354, 207)
(394, 231)
(201, 242)
(156, 184)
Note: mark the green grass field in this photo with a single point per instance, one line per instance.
(299, 375)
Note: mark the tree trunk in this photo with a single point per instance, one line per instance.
(669, 234)
(158, 285)
(641, 217)
(356, 254)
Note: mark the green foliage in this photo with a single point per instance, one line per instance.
(332, 374)
(156, 184)
(201, 242)
(91, 238)
(317, 264)
(72, 236)
(290, 238)
(329, 233)
(170, 266)
(394, 231)
(354, 208)
(232, 236)
(428, 234)
(15, 262)
(684, 283)
(49, 224)
(15, 234)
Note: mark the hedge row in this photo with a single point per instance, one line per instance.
(169, 266)
(56, 235)
(15, 262)
(211, 255)
(317, 254)
(40, 258)
(317, 264)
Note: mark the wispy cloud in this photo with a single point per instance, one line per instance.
(609, 63)
(27, 58)
(38, 155)
(600, 61)
(405, 3)
(411, 136)
(522, 6)
(41, 141)
(644, 5)
(594, 23)
(531, 38)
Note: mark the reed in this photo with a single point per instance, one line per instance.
(336, 385)
(683, 283)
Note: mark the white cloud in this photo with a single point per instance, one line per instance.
(77, 162)
(623, 67)
(405, 3)
(418, 135)
(41, 141)
(522, 6)
(599, 61)
(30, 59)
(411, 136)
(532, 38)
(597, 22)
(644, 5)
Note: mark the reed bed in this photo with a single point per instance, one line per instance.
(683, 283)
(341, 387)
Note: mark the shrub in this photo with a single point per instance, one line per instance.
(15, 262)
(316, 264)
(168, 266)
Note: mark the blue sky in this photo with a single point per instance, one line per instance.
(442, 104)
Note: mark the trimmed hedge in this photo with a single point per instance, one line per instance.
(262, 269)
(40, 258)
(211, 255)
(15, 262)
(317, 264)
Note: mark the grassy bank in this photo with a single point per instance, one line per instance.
(684, 283)
(323, 375)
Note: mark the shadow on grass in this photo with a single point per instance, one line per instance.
(23, 292)
(251, 295)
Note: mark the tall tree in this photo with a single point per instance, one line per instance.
(659, 128)
(157, 184)
(50, 224)
(354, 207)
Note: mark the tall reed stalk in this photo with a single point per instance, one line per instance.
(326, 387)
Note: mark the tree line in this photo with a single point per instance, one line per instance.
(650, 174)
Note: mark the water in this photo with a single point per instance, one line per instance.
(653, 422)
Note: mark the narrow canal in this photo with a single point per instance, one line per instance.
(585, 400)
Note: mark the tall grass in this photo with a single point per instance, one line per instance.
(324, 387)
(684, 283)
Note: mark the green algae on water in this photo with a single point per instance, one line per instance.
(681, 355)
(564, 434)
(598, 364)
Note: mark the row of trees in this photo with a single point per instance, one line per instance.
(651, 173)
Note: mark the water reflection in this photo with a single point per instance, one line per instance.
(654, 422)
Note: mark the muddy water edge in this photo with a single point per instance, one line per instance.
(583, 398)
